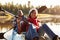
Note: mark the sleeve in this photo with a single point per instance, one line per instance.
(24, 19)
(24, 26)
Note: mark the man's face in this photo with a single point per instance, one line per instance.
(20, 14)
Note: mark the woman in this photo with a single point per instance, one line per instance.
(32, 19)
(34, 30)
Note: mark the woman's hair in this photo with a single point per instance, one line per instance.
(31, 11)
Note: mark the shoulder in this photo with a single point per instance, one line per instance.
(38, 20)
(23, 17)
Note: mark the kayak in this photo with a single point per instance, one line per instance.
(55, 27)
(12, 35)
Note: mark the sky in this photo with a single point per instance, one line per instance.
(35, 3)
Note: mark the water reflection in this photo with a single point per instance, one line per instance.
(5, 27)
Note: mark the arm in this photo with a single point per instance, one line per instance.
(18, 26)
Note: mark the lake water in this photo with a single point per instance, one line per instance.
(53, 26)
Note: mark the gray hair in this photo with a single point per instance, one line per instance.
(20, 12)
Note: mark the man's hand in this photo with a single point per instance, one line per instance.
(19, 28)
(18, 20)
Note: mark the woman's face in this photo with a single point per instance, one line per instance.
(33, 14)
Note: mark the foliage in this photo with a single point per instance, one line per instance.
(10, 7)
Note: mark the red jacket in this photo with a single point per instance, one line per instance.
(25, 26)
(35, 22)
